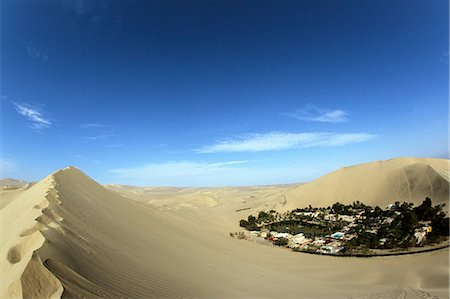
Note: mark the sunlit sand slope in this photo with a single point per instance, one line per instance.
(131, 242)
(377, 183)
(24, 214)
(111, 246)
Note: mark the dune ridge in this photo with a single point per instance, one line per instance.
(22, 220)
(377, 183)
(174, 242)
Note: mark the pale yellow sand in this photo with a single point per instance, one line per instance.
(172, 242)
(23, 213)
(8, 183)
(378, 183)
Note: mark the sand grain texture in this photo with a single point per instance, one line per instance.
(150, 242)
(23, 214)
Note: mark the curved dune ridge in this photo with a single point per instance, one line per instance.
(23, 216)
(131, 242)
(377, 183)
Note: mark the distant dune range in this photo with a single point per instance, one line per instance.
(378, 183)
(155, 242)
(8, 183)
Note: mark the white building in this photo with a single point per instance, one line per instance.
(330, 249)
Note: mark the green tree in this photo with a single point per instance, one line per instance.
(425, 211)
(281, 242)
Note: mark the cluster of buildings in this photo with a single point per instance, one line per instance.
(327, 245)
(332, 243)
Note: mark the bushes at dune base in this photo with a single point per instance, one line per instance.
(249, 224)
(281, 242)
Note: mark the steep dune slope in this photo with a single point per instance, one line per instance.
(111, 246)
(23, 214)
(377, 183)
(175, 243)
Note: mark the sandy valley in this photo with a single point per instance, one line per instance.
(68, 235)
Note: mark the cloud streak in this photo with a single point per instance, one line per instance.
(314, 114)
(202, 174)
(276, 141)
(33, 115)
(101, 136)
(93, 125)
(97, 131)
(177, 171)
(228, 173)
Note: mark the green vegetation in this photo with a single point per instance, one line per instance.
(281, 242)
(354, 228)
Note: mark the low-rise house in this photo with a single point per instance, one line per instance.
(330, 217)
(263, 234)
(330, 249)
(305, 242)
(391, 206)
(319, 241)
(299, 240)
(420, 237)
(421, 233)
(282, 235)
(388, 220)
(298, 237)
(338, 235)
(348, 237)
(347, 218)
(427, 229)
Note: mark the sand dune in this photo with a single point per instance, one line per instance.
(174, 242)
(24, 214)
(8, 183)
(377, 183)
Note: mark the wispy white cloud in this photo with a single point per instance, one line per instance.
(97, 131)
(34, 115)
(101, 135)
(227, 173)
(93, 125)
(114, 145)
(316, 114)
(275, 141)
(176, 171)
(173, 168)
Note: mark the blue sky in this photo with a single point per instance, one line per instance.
(213, 93)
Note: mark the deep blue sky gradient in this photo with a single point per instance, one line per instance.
(162, 79)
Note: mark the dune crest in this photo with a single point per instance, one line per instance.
(23, 218)
(377, 183)
(174, 242)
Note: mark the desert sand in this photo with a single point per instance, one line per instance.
(154, 242)
(8, 183)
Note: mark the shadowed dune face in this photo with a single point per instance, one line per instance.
(377, 183)
(174, 242)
